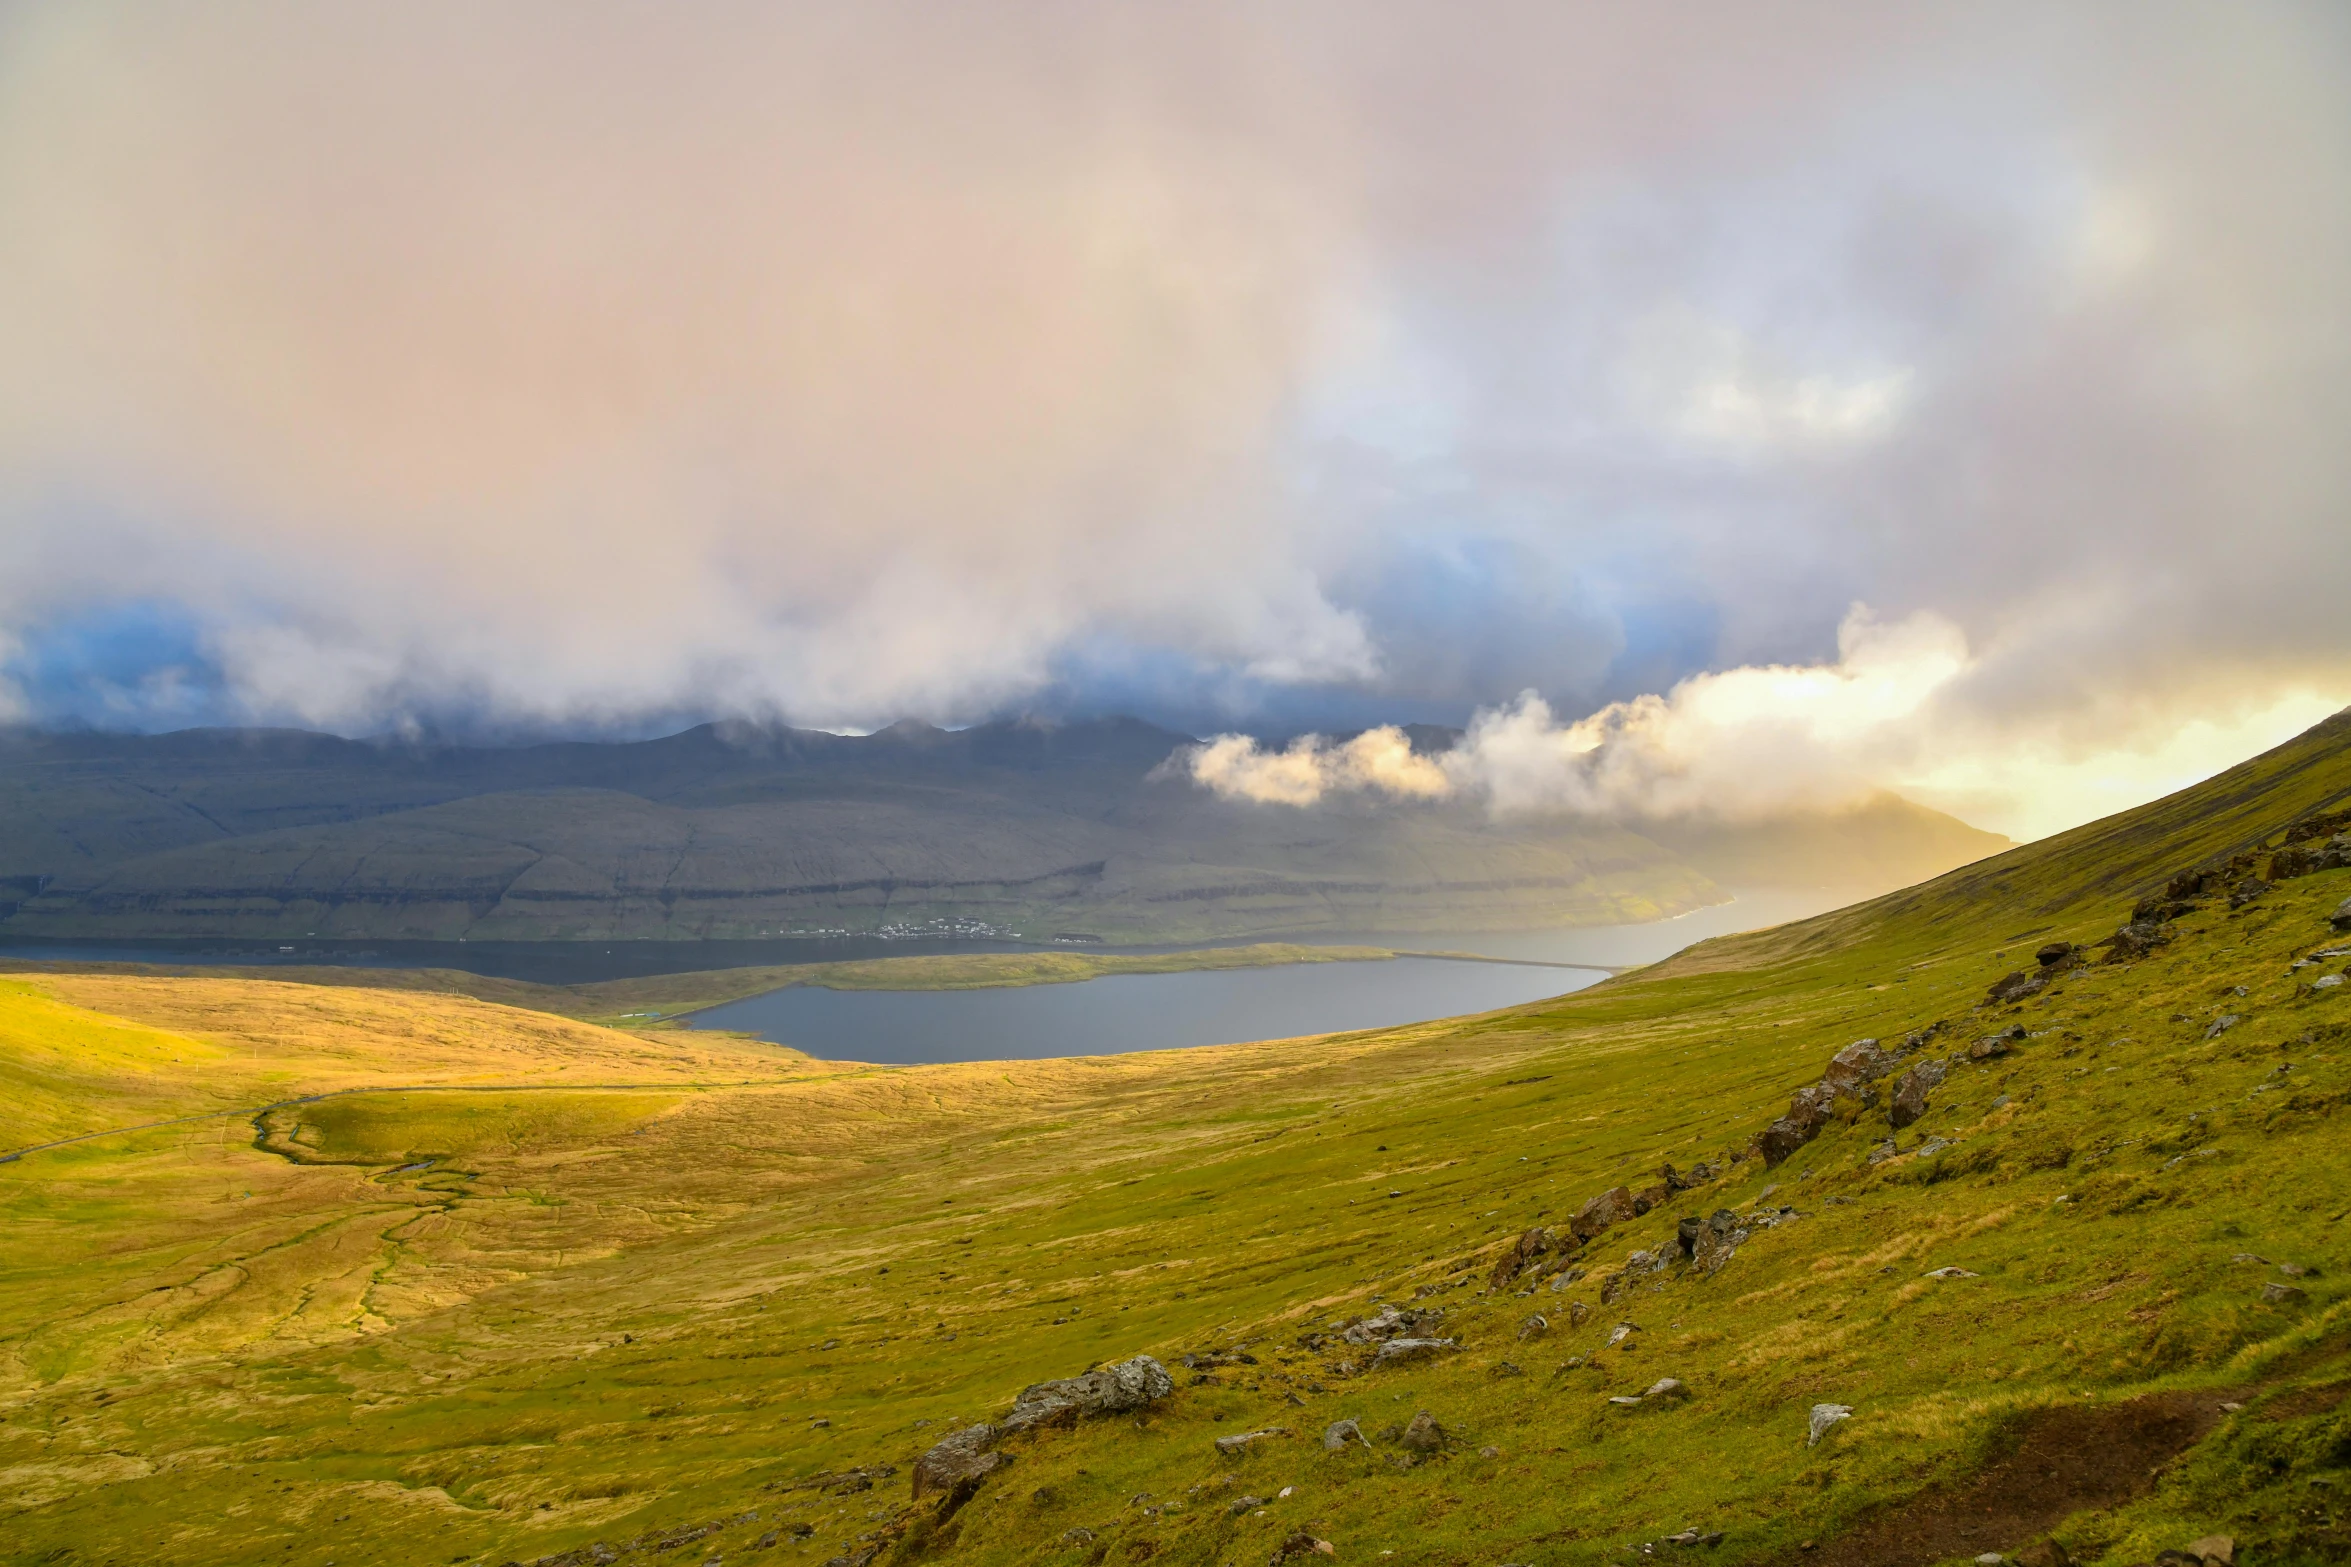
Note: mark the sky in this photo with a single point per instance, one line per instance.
(1708, 407)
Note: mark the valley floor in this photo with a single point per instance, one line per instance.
(523, 1288)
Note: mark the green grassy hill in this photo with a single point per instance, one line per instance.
(724, 835)
(527, 1290)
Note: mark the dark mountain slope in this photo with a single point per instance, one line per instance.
(1022, 828)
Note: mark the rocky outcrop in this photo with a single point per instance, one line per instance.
(1706, 1244)
(1910, 1094)
(1852, 1074)
(1611, 1207)
(1524, 1253)
(1852, 1069)
(2013, 988)
(1131, 1384)
(1543, 1249)
(963, 1458)
(2296, 860)
(1391, 1322)
(2135, 940)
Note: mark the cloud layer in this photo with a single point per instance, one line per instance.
(1272, 368)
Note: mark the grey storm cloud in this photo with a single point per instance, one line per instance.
(577, 363)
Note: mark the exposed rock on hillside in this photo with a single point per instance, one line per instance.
(1910, 1094)
(961, 1460)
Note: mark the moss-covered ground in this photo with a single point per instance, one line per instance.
(525, 1287)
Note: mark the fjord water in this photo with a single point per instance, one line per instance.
(1134, 1011)
(1213, 1007)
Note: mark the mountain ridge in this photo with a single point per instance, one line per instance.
(734, 831)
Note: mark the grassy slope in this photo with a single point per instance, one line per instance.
(666, 996)
(597, 1314)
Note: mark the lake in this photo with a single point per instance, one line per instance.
(1133, 1011)
(1103, 1016)
(1214, 1007)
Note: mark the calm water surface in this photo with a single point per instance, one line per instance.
(1133, 1011)
(1103, 1016)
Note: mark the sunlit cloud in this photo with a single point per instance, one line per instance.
(1760, 742)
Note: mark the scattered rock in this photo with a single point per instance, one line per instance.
(1130, 1384)
(1621, 1332)
(1240, 1443)
(1078, 1536)
(1856, 1066)
(1577, 1311)
(2054, 953)
(2221, 1025)
(1626, 1400)
(2341, 918)
(1424, 1436)
(1611, 1207)
(1953, 1273)
(1489, 1452)
(1910, 1094)
(1301, 1544)
(1776, 1142)
(1342, 1432)
(2283, 1294)
(1397, 1350)
(2011, 988)
(1708, 1243)
(2326, 982)
(2246, 891)
(1823, 1417)
(2214, 1550)
(2294, 1270)
(2135, 940)
(1390, 1322)
(1523, 1254)
(1670, 1389)
(1242, 1504)
(1534, 1327)
(962, 1458)
(1987, 1048)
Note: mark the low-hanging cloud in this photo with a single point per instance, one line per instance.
(584, 366)
(1735, 745)
(1381, 761)
(1739, 743)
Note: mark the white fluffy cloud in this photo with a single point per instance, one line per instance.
(1752, 742)
(1380, 761)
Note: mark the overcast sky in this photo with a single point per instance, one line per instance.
(1946, 398)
